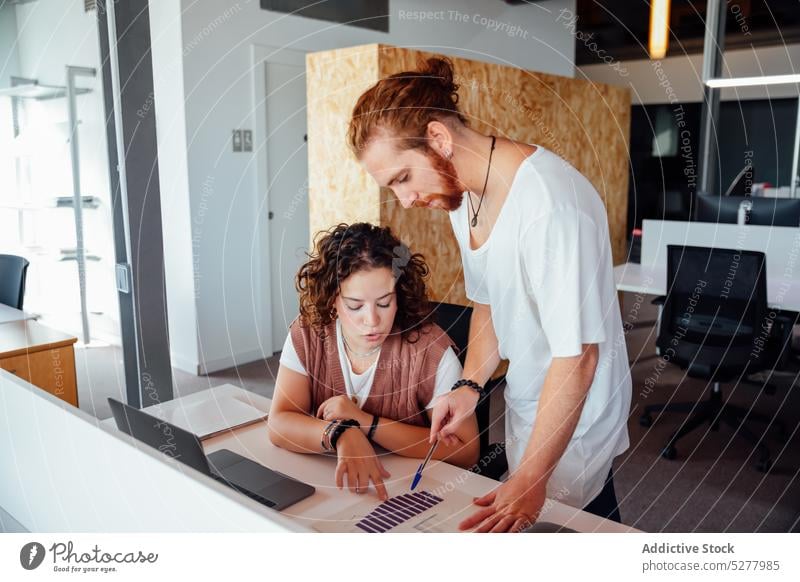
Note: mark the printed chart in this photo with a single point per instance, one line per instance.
(397, 510)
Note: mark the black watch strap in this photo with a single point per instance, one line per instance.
(374, 427)
(340, 428)
(474, 385)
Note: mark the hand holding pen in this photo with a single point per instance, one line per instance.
(418, 475)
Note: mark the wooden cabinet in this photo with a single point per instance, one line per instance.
(40, 355)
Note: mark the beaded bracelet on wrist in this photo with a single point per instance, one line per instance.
(474, 385)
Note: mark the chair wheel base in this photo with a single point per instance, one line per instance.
(669, 452)
(645, 420)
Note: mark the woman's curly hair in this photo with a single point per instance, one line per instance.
(346, 249)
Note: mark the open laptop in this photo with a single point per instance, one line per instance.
(264, 485)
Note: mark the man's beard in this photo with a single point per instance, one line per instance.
(452, 193)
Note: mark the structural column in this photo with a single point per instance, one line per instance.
(133, 163)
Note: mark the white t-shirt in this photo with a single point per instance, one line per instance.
(359, 385)
(547, 273)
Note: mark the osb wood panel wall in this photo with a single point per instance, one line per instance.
(338, 189)
(585, 123)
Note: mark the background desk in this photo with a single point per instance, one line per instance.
(9, 314)
(782, 292)
(318, 470)
(780, 245)
(40, 355)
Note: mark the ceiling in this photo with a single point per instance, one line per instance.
(621, 26)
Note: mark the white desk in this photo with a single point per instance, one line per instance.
(781, 245)
(10, 314)
(318, 470)
(782, 293)
(65, 471)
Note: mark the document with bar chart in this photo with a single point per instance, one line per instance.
(417, 511)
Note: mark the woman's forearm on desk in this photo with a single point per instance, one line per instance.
(289, 424)
(296, 431)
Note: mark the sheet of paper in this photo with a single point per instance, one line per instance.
(434, 510)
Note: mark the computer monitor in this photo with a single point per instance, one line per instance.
(775, 211)
(710, 208)
(763, 211)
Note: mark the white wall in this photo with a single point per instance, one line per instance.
(167, 60)
(9, 66)
(217, 37)
(681, 76)
(9, 59)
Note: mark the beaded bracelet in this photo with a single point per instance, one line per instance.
(474, 385)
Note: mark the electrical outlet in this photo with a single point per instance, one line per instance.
(247, 140)
(237, 140)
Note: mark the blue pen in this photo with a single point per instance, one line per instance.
(418, 476)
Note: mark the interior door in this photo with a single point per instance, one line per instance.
(287, 189)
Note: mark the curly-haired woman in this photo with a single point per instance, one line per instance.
(363, 363)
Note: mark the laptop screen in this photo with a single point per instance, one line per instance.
(163, 436)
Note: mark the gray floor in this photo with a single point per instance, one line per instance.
(711, 487)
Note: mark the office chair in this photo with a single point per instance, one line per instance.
(13, 270)
(715, 324)
(454, 319)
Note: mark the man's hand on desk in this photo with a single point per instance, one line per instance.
(357, 460)
(511, 507)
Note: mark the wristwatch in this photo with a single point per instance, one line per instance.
(340, 428)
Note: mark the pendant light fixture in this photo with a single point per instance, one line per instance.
(659, 28)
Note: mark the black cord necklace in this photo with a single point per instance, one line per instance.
(474, 221)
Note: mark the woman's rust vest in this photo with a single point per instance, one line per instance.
(404, 379)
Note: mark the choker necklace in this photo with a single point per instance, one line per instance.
(474, 221)
(355, 353)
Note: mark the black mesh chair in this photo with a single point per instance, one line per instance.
(454, 319)
(715, 324)
(12, 280)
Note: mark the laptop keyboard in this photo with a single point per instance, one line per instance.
(250, 494)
